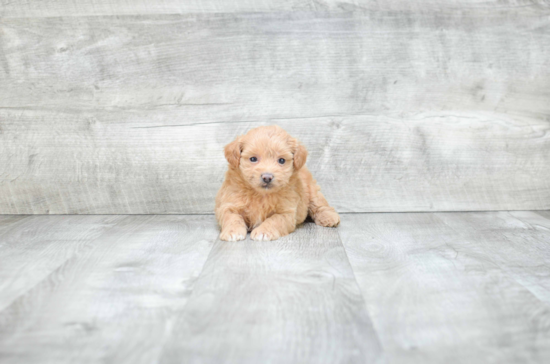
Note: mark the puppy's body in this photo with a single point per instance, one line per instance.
(246, 202)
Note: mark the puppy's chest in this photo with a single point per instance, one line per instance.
(256, 211)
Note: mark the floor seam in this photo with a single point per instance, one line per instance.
(358, 287)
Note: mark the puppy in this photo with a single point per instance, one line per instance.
(267, 188)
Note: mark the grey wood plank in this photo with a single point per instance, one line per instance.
(70, 162)
(116, 7)
(460, 99)
(439, 291)
(252, 66)
(114, 300)
(293, 300)
(545, 214)
(36, 246)
(10, 222)
(518, 242)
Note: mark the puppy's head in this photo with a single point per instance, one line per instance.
(266, 157)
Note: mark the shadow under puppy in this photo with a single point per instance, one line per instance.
(267, 188)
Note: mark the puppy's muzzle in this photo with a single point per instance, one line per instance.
(267, 177)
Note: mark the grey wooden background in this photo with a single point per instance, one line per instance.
(124, 107)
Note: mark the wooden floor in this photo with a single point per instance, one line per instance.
(470, 287)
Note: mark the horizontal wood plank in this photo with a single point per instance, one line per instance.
(63, 163)
(108, 299)
(293, 300)
(454, 287)
(222, 67)
(401, 111)
(22, 8)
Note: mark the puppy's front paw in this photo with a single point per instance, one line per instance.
(262, 233)
(234, 233)
(327, 218)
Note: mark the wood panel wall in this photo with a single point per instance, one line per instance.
(112, 107)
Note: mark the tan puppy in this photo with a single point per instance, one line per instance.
(267, 189)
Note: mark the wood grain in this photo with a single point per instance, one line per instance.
(293, 300)
(465, 287)
(453, 287)
(113, 7)
(517, 242)
(34, 247)
(138, 164)
(110, 299)
(402, 111)
(222, 67)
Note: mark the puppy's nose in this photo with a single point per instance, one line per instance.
(267, 177)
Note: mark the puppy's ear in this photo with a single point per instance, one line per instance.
(233, 152)
(300, 156)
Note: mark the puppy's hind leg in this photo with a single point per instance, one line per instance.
(320, 211)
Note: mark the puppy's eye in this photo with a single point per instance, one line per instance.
(282, 161)
(253, 159)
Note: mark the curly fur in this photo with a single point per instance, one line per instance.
(246, 203)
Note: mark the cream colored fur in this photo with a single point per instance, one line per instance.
(246, 203)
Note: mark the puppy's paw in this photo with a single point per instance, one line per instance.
(234, 233)
(262, 233)
(327, 218)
